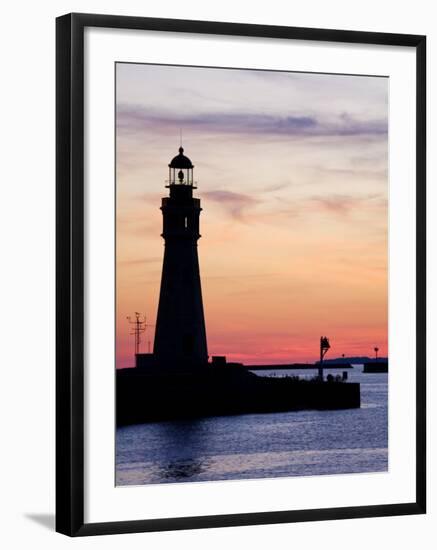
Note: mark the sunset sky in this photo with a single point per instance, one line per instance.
(292, 175)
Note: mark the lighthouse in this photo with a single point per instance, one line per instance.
(180, 335)
(176, 381)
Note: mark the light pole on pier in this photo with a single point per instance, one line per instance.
(324, 347)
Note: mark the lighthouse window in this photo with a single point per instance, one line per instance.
(186, 222)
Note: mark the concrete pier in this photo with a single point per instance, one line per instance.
(215, 391)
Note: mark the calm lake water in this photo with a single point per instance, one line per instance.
(261, 445)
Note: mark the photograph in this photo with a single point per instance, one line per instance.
(251, 274)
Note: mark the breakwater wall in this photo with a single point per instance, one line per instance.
(142, 397)
(376, 367)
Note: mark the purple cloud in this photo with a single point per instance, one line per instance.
(343, 204)
(131, 119)
(235, 203)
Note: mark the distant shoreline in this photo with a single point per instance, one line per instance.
(299, 366)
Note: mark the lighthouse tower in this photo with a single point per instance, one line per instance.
(180, 335)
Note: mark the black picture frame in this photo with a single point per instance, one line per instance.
(70, 273)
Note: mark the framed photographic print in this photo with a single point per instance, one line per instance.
(240, 274)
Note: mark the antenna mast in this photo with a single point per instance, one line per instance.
(138, 328)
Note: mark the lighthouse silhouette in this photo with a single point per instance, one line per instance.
(180, 334)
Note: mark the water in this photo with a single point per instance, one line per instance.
(251, 446)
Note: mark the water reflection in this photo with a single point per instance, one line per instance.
(188, 438)
(183, 469)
